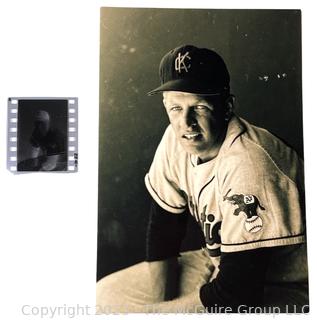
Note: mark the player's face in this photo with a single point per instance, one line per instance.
(42, 127)
(198, 123)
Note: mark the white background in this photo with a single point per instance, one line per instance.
(48, 225)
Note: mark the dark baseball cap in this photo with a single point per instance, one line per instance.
(194, 70)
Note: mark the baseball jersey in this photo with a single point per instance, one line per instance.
(250, 196)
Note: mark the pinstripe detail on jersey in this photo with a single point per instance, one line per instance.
(201, 190)
(191, 161)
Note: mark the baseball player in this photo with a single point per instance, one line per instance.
(243, 186)
(48, 147)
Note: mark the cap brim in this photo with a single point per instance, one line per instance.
(184, 85)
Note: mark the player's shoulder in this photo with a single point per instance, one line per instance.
(263, 139)
(259, 150)
(266, 145)
(170, 145)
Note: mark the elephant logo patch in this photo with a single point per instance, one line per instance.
(249, 205)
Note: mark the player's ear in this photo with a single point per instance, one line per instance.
(164, 99)
(229, 105)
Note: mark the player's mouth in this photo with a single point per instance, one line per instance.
(192, 136)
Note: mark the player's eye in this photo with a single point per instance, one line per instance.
(175, 108)
(202, 107)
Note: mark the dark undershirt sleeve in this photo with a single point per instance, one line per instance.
(240, 280)
(165, 233)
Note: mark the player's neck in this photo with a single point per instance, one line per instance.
(213, 153)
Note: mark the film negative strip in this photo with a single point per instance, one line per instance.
(42, 134)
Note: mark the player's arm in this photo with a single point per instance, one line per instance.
(35, 149)
(164, 236)
(35, 152)
(240, 282)
(35, 146)
(165, 233)
(168, 216)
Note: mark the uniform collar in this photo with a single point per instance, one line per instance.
(234, 130)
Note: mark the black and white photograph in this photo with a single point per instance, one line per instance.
(201, 196)
(43, 138)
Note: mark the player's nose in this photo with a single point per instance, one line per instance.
(188, 118)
